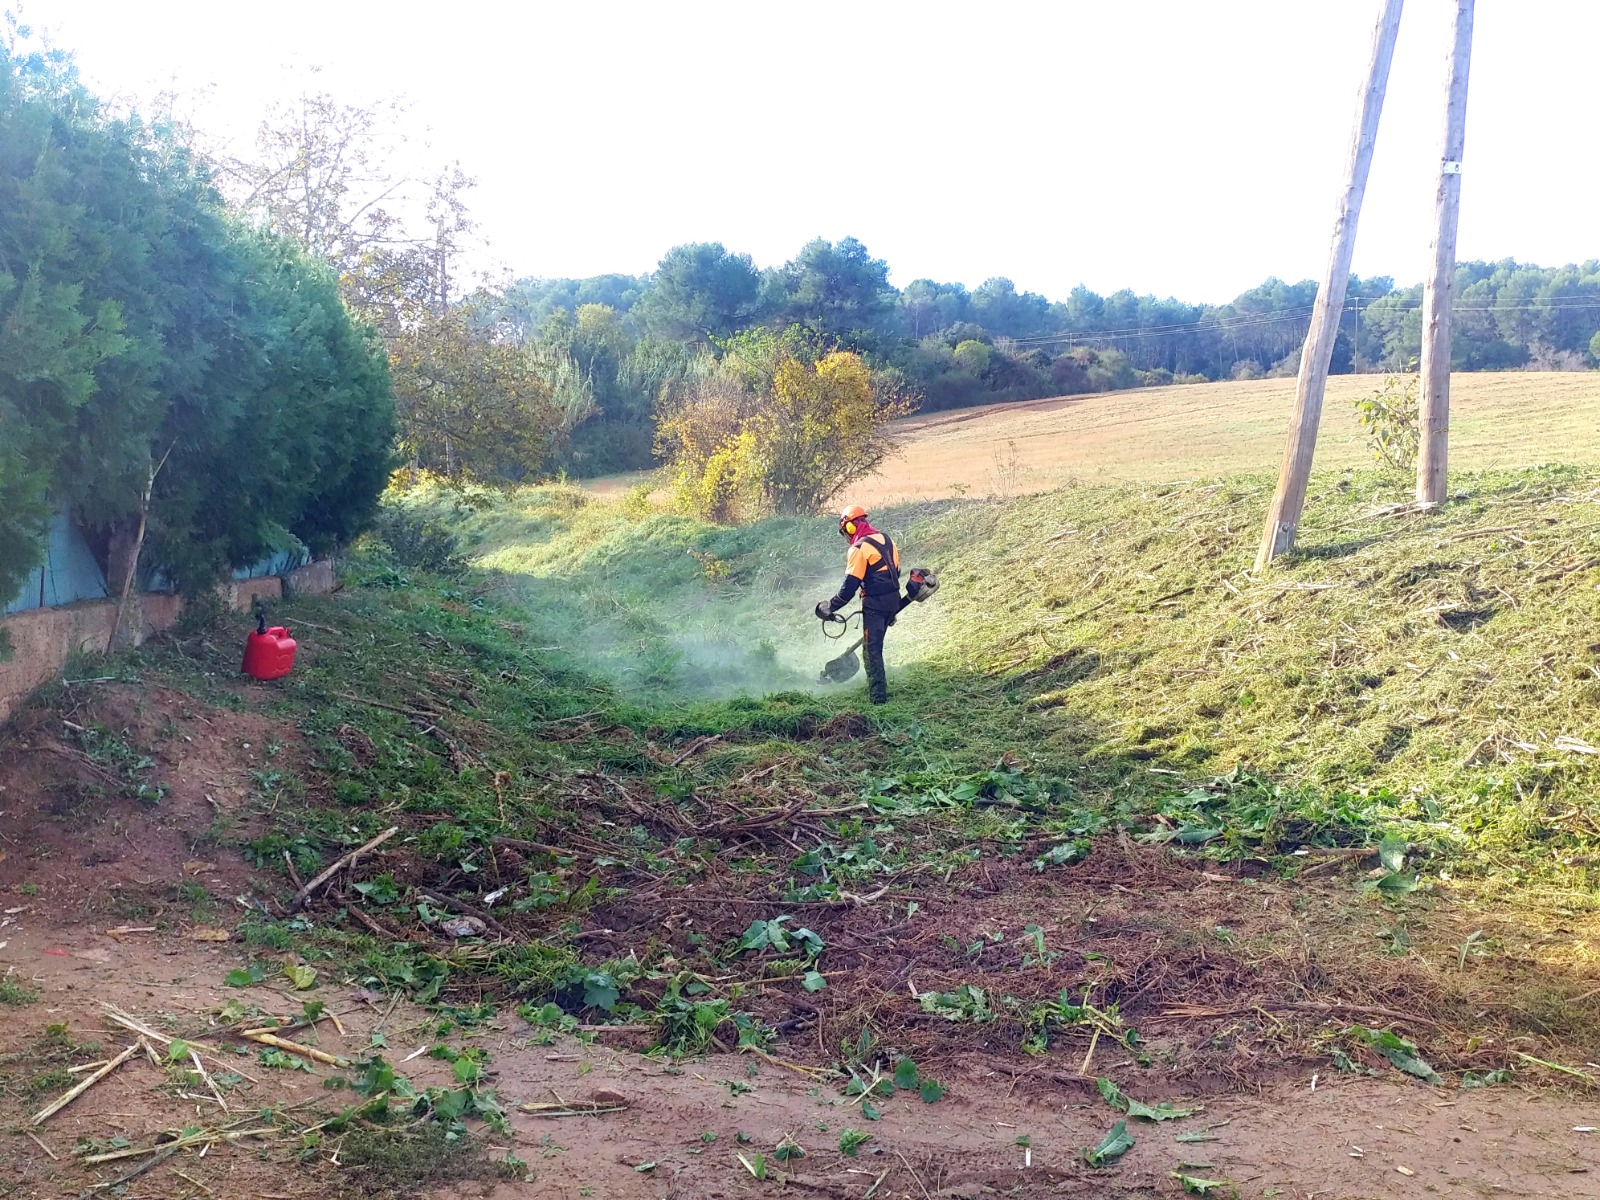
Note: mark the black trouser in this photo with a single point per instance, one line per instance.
(874, 624)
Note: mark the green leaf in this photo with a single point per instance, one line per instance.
(300, 975)
(450, 1105)
(240, 977)
(852, 1140)
(1196, 1186)
(1392, 853)
(1397, 1050)
(177, 1050)
(813, 981)
(870, 1111)
(905, 1075)
(465, 1070)
(1470, 1079)
(1114, 1145)
(931, 1091)
(1119, 1100)
(1064, 855)
(787, 1149)
(1399, 885)
(600, 991)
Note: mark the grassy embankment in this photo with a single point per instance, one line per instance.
(1436, 672)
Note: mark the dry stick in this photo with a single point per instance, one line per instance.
(304, 893)
(369, 922)
(577, 1108)
(394, 708)
(511, 843)
(68, 1097)
(211, 1085)
(138, 547)
(321, 1056)
(1094, 1040)
(193, 1139)
(293, 874)
(159, 1157)
(175, 1171)
(99, 1062)
(389, 1012)
(117, 1016)
(695, 747)
(42, 1146)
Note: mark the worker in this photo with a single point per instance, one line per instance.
(872, 567)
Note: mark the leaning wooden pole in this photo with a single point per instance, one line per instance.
(1283, 517)
(1433, 452)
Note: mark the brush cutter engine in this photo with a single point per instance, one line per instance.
(923, 584)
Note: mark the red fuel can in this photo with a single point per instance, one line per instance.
(269, 653)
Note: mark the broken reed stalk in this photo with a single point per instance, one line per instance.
(304, 893)
(695, 747)
(83, 1086)
(577, 1108)
(211, 1084)
(311, 1052)
(118, 1017)
(193, 1139)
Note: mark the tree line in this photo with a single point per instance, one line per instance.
(178, 379)
(955, 347)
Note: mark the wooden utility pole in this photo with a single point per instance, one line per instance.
(1433, 456)
(1283, 516)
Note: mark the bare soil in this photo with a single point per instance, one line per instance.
(105, 895)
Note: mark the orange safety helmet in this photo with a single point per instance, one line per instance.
(851, 518)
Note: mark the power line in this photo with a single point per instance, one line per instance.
(1249, 321)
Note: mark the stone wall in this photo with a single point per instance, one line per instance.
(42, 639)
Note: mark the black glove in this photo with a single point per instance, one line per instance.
(827, 608)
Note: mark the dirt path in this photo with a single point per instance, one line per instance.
(1012, 1127)
(120, 860)
(1347, 1139)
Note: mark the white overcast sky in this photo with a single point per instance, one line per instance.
(1182, 147)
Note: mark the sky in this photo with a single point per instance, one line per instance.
(1172, 147)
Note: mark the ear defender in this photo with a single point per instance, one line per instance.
(850, 528)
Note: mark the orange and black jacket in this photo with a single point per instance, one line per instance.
(872, 567)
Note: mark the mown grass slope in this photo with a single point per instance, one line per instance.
(1438, 670)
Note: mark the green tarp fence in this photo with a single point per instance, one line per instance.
(70, 573)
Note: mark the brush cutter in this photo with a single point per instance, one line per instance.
(843, 668)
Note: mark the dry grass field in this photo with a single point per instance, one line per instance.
(1505, 419)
